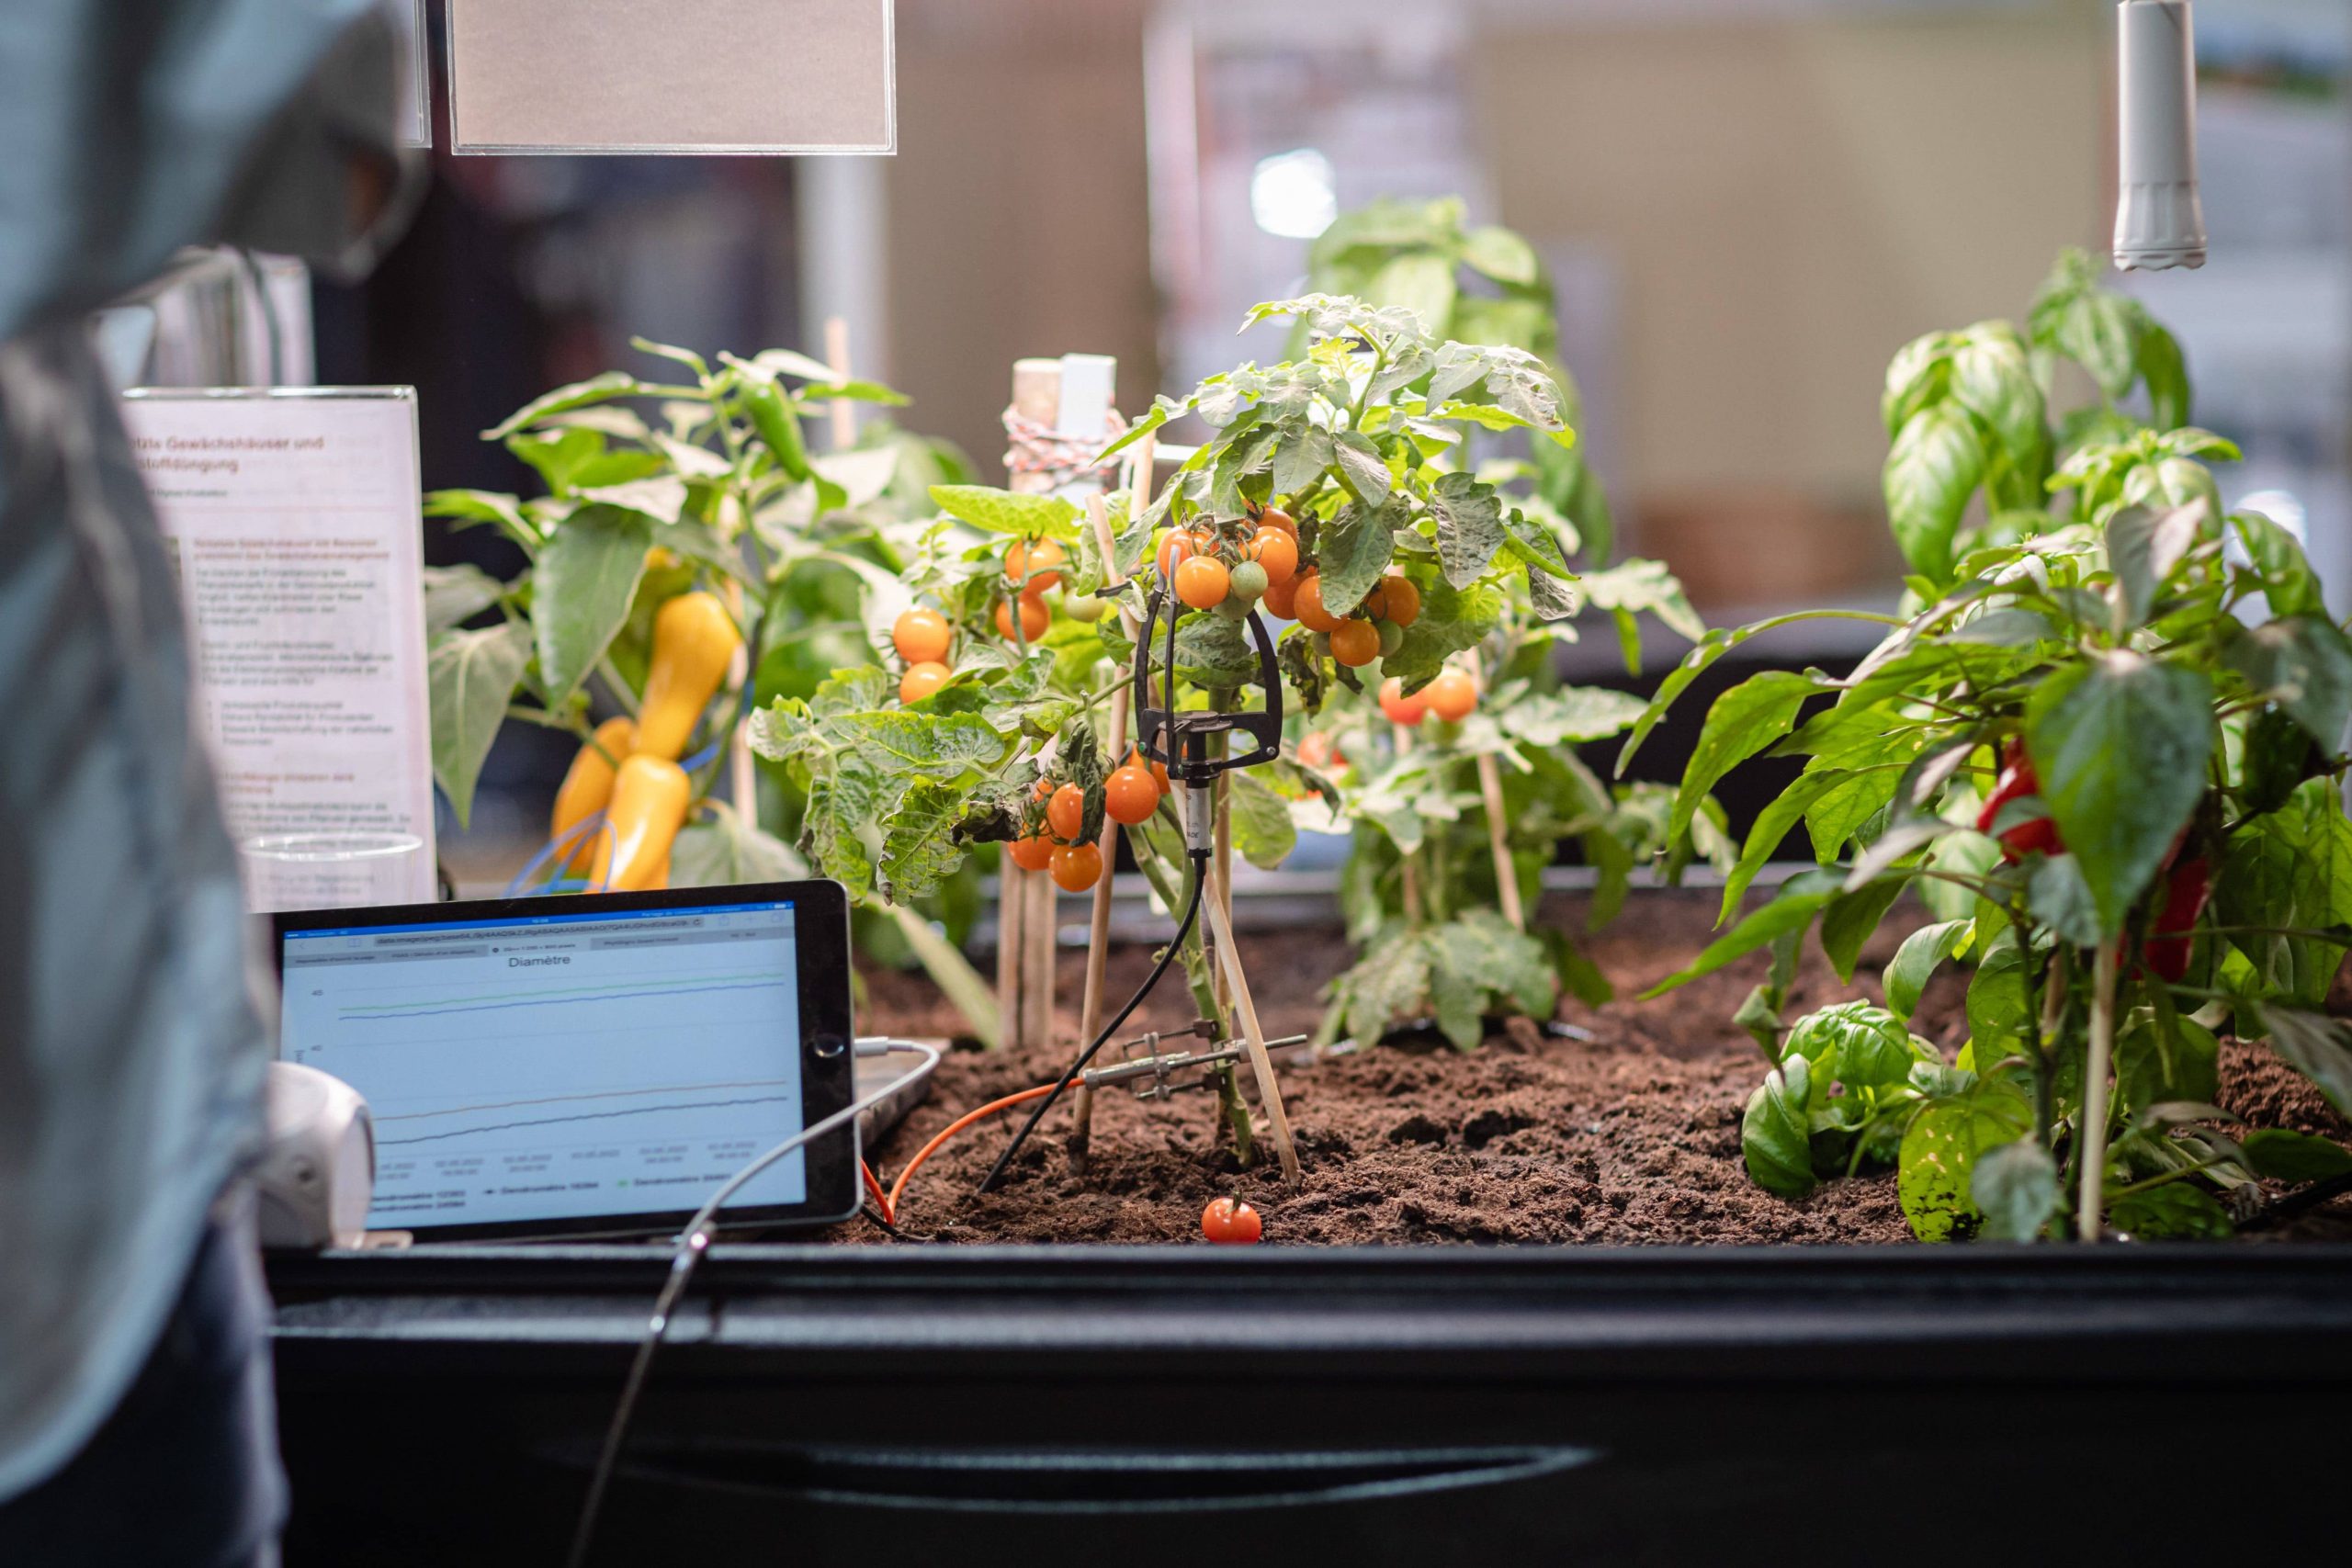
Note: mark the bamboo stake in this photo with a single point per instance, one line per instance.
(1262, 1064)
(1412, 871)
(1098, 936)
(1490, 784)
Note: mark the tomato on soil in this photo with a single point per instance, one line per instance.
(1309, 611)
(1066, 813)
(921, 680)
(1077, 867)
(1356, 644)
(1451, 696)
(1034, 852)
(1034, 618)
(1130, 795)
(1401, 708)
(1230, 1223)
(921, 635)
(1038, 556)
(1201, 583)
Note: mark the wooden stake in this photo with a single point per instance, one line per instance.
(1098, 936)
(1262, 1064)
(1412, 871)
(1490, 784)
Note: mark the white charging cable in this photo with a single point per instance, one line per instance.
(695, 1240)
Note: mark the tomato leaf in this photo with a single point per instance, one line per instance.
(1353, 549)
(1469, 526)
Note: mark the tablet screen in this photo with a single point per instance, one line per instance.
(553, 1066)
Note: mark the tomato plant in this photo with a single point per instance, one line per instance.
(2106, 749)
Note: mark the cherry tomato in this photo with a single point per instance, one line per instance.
(1066, 813)
(1158, 771)
(1276, 549)
(1316, 749)
(1231, 1223)
(1392, 637)
(1307, 605)
(921, 635)
(1281, 598)
(1201, 583)
(1034, 617)
(1401, 708)
(921, 680)
(1394, 598)
(1248, 582)
(1034, 852)
(1178, 547)
(1275, 517)
(1077, 867)
(1356, 644)
(1451, 696)
(1037, 556)
(1130, 795)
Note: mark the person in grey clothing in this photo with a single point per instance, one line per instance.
(135, 1421)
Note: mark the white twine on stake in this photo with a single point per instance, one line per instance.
(1038, 448)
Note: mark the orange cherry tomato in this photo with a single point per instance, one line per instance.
(1066, 813)
(1275, 517)
(1045, 788)
(1177, 546)
(1034, 852)
(1230, 1223)
(1401, 708)
(1276, 551)
(1451, 696)
(1077, 867)
(1281, 598)
(1316, 749)
(1034, 617)
(1037, 556)
(1394, 598)
(921, 680)
(1201, 583)
(921, 635)
(1355, 644)
(1158, 771)
(1309, 611)
(1130, 795)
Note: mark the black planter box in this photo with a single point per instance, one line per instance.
(1187, 1405)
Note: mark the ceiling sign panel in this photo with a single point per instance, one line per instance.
(706, 76)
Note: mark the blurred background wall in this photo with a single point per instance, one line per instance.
(1748, 205)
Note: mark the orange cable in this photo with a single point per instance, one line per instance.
(990, 1109)
(881, 1200)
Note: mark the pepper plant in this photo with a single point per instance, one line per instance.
(692, 514)
(2106, 749)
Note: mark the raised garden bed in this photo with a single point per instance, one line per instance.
(1629, 1138)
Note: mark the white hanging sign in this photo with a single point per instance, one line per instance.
(296, 528)
(709, 76)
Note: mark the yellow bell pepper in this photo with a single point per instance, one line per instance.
(587, 787)
(694, 640)
(650, 799)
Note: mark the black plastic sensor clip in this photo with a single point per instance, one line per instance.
(1179, 739)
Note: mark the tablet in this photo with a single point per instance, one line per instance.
(594, 1065)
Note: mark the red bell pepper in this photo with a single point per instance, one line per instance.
(2173, 934)
(2017, 781)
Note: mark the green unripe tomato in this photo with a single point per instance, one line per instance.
(1233, 607)
(1083, 606)
(1248, 581)
(1322, 645)
(1391, 637)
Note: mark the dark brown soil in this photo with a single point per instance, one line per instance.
(1631, 1137)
